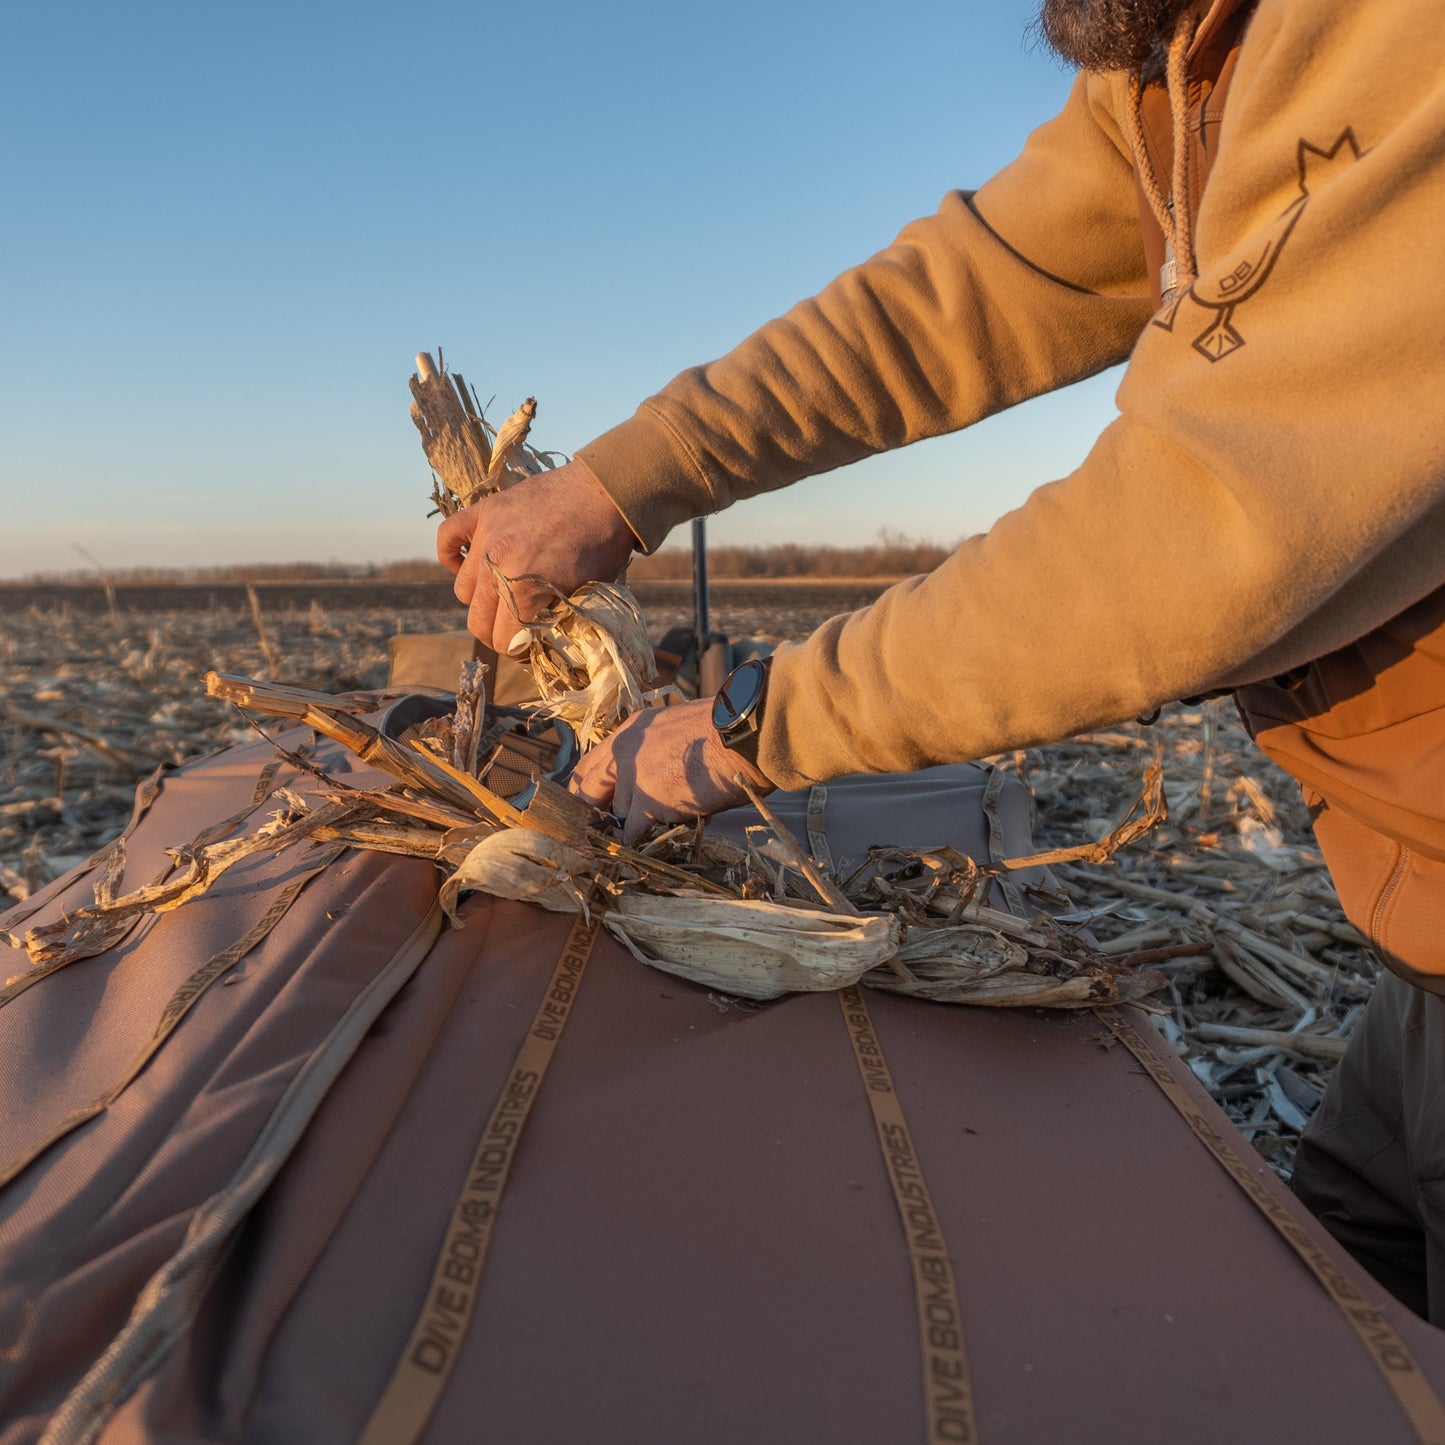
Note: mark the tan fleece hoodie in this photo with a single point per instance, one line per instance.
(1274, 486)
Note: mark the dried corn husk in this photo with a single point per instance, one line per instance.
(973, 964)
(522, 864)
(751, 949)
(1019, 989)
(468, 455)
(590, 656)
(983, 949)
(508, 451)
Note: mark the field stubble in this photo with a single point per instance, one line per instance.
(1229, 898)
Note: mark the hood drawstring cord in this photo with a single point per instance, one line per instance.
(1173, 212)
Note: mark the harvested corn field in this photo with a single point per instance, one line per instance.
(1228, 899)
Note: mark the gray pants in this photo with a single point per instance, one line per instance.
(1371, 1164)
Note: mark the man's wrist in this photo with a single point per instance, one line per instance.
(737, 712)
(603, 507)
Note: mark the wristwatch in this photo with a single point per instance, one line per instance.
(737, 709)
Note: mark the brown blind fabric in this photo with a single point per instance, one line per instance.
(1407, 1382)
(421, 1374)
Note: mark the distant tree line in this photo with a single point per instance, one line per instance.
(419, 569)
(893, 555)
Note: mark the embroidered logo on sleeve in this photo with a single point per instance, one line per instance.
(1222, 296)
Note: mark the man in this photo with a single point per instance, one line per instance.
(1245, 201)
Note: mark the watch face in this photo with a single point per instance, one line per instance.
(739, 695)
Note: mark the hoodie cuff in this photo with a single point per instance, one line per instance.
(779, 755)
(645, 469)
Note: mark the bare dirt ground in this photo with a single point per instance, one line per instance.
(1229, 898)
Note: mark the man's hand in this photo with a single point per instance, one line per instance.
(665, 765)
(558, 525)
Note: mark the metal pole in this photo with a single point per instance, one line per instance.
(702, 628)
(713, 653)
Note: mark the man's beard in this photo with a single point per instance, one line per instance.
(1109, 34)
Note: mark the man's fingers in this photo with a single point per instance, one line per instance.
(594, 779)
(464, 582)
(453, 536)
(606, 777)
(661, 766)
(560, 525)
(489, 617)
(529, 600)
(625, 801)
(634, 827)
(482, 615)
(504, 633)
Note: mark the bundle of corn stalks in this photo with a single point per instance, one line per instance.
(589, 652)
(470, 458)
(756, 921)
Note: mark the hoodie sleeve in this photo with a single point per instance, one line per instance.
(1274, 486)
(1035, 281)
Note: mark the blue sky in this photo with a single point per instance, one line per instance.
(228, 230)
